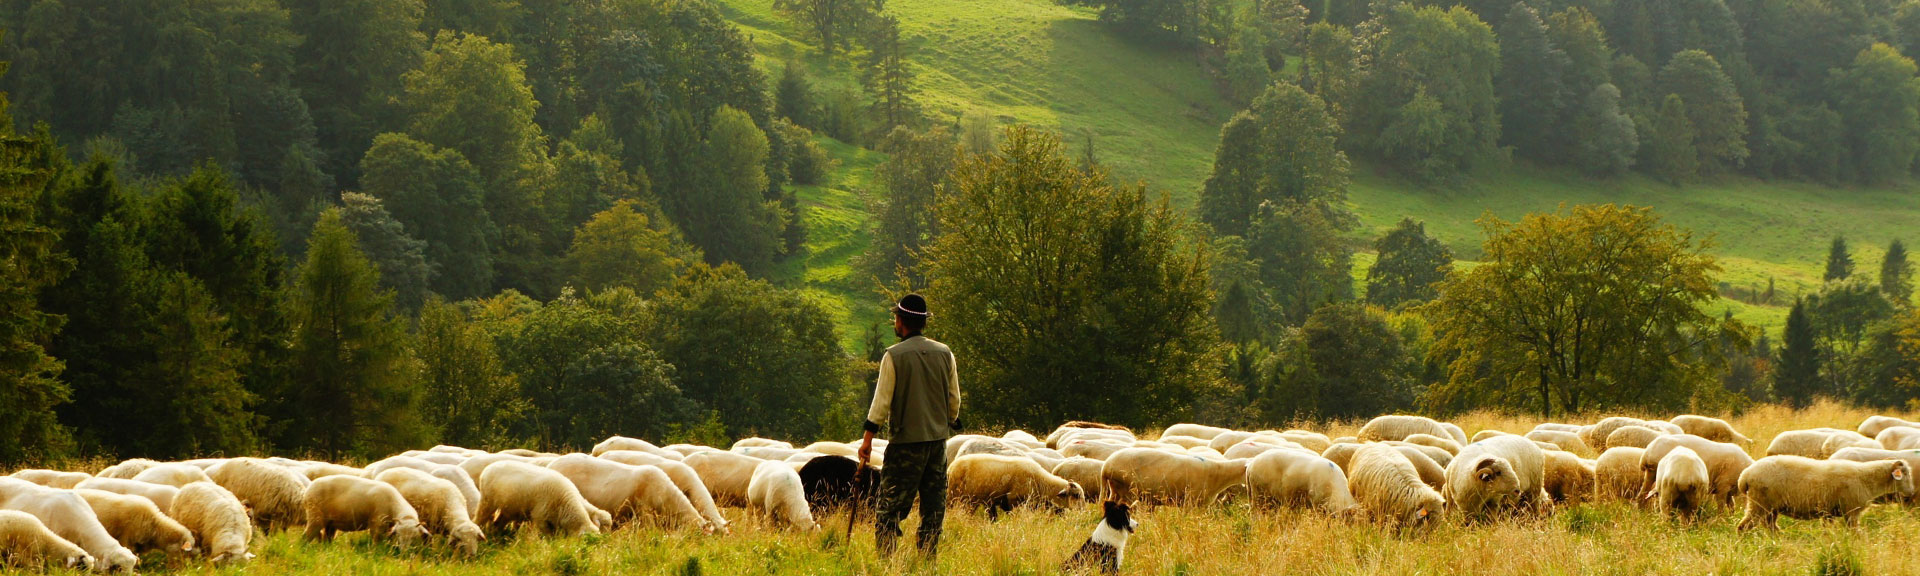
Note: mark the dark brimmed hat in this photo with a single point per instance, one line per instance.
(912, 305)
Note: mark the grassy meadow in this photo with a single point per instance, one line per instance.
(1589, 538)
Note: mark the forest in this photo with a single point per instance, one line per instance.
(344, 227)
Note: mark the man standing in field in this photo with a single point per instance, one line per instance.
(917, 399)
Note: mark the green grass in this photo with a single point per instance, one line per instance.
(1155, 116)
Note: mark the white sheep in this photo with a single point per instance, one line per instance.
(348, 504)
(1636, 436)
(1617, 472)
(1388, 488)
(126, 469)
(627, 491)
(52, 478)
(772, 453)
(1596, 435)
(161, 494)
(68, 515)
(1489, 433)
(517, 492)
(1805, 488)
(217, 520)
(1199, 431)
(461, 480)
(25, 542)
(1559, 427)
(1446, 444)
(1299, 478)
(315, 470)
(175, 474)
(636, 445)
(726, 475)
(1252, 449)
(1569, 478)
(1681, 484)
(274, 493)
(775, 492)
(1898, 438)
(684, 478)
(1873, 425)
(1399, 427)
(1724, 461)
(1082, 471)
(441, 507)
(1912, 458)
(1710, 428)
(1477, 479)
(1567, 441)
(136, 523)
(689, 449)
(1817, 443)
(1006, 482)
(758, 442)
(1431, 471)
(1095, 449)
(1184, 441)
(1453, 431)
(477, 465)
(1342, 454)
(1164, 477)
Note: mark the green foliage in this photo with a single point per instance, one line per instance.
(1532, 83)
(1427, 105)
(727, 214)
(1669, 151)
(1880, 100)
(30, 385)
(807, 163)
(793, 96)
(887, 76)
(1714, 107)
(763, 356)
(620, 247)
(400, 259)
(585, 368)
(1282, 150)
(474, 400)
(1798, 377)
(1345, 362)
(1066, 297)
(1844, 314)
(440, 199)
(1408, 266)
(588, 178)
(1839, 260)
(831, 22)
(348, 67)
(1330, 67)
(1302, 262)
(1247, 72)
(919, 164)
(352, 369)
(1896, 275)
(1607, 139)
(1597, 307)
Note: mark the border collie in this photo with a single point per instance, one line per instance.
(1108, 545)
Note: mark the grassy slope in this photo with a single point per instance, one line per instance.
(1155, 117)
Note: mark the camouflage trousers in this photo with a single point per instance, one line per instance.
(913, 469)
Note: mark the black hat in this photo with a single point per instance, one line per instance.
(912, 304)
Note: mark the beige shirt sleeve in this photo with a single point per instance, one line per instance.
(953, 389)
(883, 394)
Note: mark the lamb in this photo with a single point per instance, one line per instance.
(274, 493)
(1161, 476)
(161, 495)
(68, 515)
(1636, 436)
(1435, 441)
(1724, 461)
(1898, 438)
(1389, 489)
(683, 477)
(1568, 478)
(1498, 473)
(1002, 483)
(1873, 425)
(1596, 435)
(136, 523)
(758, 442)
(441, 507)
(126, 469)
(349, 504)
(1082, 471)
(1567, 441)
(726, 475)
(627, 491)
(1713, 429)
(1617, 472)
(1399, 427)
(518, 492)
(52, 478)
(776, 492)
(176, 475)
(1680, 483)
(217, 520)
(25, 541)
(1804, 488)
(1300, 479)
(1194, 431)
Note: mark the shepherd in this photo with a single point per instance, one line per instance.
(917, 400)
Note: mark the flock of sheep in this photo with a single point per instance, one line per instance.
(1404, 471)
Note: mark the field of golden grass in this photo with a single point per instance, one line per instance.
(1595, 538)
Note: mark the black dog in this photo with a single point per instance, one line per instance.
(830, 482)
(1108, 545)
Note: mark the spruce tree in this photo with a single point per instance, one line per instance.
(1798, 376)
(1839, 260)
(1896, 275)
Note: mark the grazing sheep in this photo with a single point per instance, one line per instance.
(980, 445)
(1023, 437)
(1596, 435)
(1489, 433)
(1680, 484)
(127, 469)
(1301, 479)
(1435, 441)
(834, 449)
(52, 478)
(1664, 426)
(776, 492)
(771, 453)
(627, 491)
(1617, 472)
(1912, 458)
(273, 492)
(1437, 455)
(1898, 438)
(1558, 427)
(1432, 472)
(689, 449)
(684, 478)
(461, 480)
(1817, 443)
(1713, 429)
(349, 504)
(1399, 427)
(1636, 436)
(636, 445)
(1194, 431)
(517, 492)
(758, 442)
(26, 542)
(1567, 441)
(1498, 473)
(1164, 477)
(217, 520)
(136, 523)
(1344, 440)
(1094, 449)
(1388, 488)
(1090, 429)
(176, 474)
(160, 494)
(315, 470)
(1724, 461)
(835, 481)
(726, 475)
(430, 456)
(1873, 425)
(477, 465)
(68, 515)
(1569, 478)
(1846, 439)
(1804, 488)
(1082, 471)
(1184, 441)
(1313, 441)
(1002, 483)
(1341, 455)
(441, 507)
(1252, 449)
